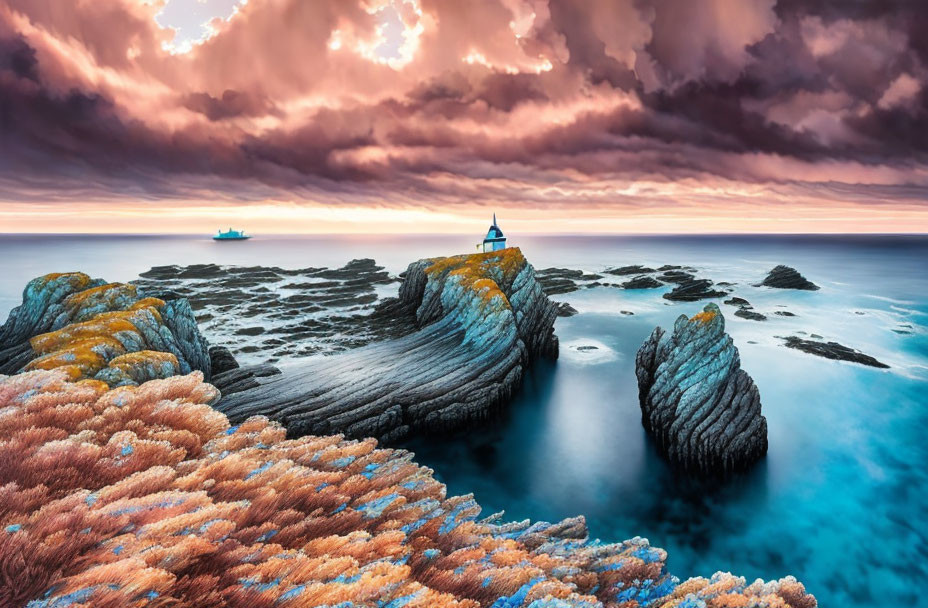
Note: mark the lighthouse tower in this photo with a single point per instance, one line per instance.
(495, 240)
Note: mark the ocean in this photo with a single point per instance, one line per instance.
(840, 501)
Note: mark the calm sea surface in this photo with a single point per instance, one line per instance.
(841, 501)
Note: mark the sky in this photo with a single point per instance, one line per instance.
(625, 116)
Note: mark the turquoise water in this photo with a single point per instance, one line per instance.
(841, 501)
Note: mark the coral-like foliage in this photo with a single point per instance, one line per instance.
(145, 496)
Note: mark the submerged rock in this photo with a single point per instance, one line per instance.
(626, 270)
(91, 329)
(692, 290)
(784, 277)
(480, 321)
(156, 500)
(745, 310)
(642, 282)
(832, 350)
(701, 408)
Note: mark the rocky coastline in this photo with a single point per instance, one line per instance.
(702, 410)
(142, 466)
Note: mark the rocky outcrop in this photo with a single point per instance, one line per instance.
(784, 277)
(701, 408)
(642, 282)
(627, 270)
(557, 281)
(745, 310)
(91, 329)
(832, 350)
(480, 321)
(154, 499)
(691, 290)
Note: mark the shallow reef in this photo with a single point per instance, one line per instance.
(701, 408)
(147, 496)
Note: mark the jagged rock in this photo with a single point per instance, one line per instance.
(481, 321)
(104, 331)
(642, 283)
(745, 310)
(784, 277)
(692, 290)
(565, 310)
(832, 350)
(784, 313)
(748, 313)
(626, 270)
(556, 281)
(221, 360)
(676, 276)
(701, 408)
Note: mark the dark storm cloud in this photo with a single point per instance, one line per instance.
(534, 91)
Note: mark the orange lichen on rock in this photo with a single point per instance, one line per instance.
(86, 348)
(145, 496)
(704, 317)
(482, 272)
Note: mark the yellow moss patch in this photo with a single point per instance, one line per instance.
(130, 361)
(108, 291)
(83, 355)
(102, 326)
(479, 269)
(704, 317)
(146, 303)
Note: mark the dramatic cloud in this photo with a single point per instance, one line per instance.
(592, 104)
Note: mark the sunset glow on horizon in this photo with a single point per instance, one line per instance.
(564, 116)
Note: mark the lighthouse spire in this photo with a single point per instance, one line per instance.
(494, 218)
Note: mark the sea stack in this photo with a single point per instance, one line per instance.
(784, 277)
(478, 322)
(697, 403)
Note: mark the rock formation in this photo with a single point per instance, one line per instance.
(701, 408)
(784, 277)
(481, 320)
(642, 282)
(556, 281)
(627, 270)
(691, 290)
(745, 310)
(266, 313)
(832, 350)
(146, 496)
(105, 331)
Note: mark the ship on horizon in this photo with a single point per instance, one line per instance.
(231, 235)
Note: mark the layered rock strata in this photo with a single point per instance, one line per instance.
(481, 321)
(156, 500)
(784, 277)
(690, 290)
(701, 408)
(105, 331)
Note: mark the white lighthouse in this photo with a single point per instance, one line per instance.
(495, 240)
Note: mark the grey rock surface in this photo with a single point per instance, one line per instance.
(784, 277)
(692, 290)
(701, 408)
(480, 321)
(832, 350)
